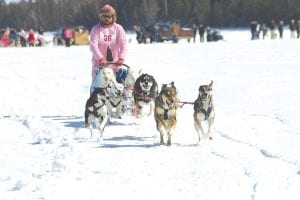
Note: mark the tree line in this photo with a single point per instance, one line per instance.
(51, 14)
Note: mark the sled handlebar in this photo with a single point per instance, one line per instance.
(114, 63)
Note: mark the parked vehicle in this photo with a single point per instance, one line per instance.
(160, 32)
(214, 36)
(80, 36)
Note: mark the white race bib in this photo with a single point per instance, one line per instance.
(108, 37)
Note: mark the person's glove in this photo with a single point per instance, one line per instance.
(102, 62)
(120, 62)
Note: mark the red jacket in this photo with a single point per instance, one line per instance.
(5, 41)
(31, 37)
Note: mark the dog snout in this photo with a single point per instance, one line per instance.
(119, 92)
(204, 95)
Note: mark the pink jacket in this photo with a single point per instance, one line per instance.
(68, 33)
(113, 37)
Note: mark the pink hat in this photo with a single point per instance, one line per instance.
(109, 10)
(107, 7)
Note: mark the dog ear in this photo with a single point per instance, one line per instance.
(172, 84)
(201, 88)
(140, 72)
(211, 83)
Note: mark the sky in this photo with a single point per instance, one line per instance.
(10, 1)
(47, 153)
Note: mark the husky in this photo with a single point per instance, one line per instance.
(166, 104)
(115, 102)
(145, 92)
(204, 111)
(129, 87)
(96, 111)
(104, 78)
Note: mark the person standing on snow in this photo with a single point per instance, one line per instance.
(68, 36)
(108, 43)
(31, 38)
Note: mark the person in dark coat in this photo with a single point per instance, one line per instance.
(201, 30)
(280, 29)
(253, 30)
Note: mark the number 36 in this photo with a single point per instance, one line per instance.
(107, 37)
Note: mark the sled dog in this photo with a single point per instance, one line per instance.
(115, 102)
(129, 87)
(166, 104)
(104, 78)
(204, 111)
(145, 92)
(96, 111)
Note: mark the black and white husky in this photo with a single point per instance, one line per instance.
(115, 101)
(96, 112)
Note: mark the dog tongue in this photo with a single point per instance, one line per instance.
(109, 57)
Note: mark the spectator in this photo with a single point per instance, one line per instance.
(31, 38)
(263, 28)
(139, 36)
(5, 42)
(253, 30)
(272, 29)
(201, 30)
(68, 36)
(208, 34)
(298, 28)
(293, 28)
(280, 29)
(39, 40)
(174, 31)
(194, 27)
(41, 30)
(22, 37)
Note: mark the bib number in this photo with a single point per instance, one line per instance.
(107, 38)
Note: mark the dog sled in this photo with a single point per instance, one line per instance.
(110, 98)
(118, 89)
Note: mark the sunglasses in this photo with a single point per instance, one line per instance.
(107, 16)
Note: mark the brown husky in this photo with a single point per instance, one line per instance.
(204, 111)
(165, 111)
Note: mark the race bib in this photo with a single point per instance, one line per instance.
(108, 37)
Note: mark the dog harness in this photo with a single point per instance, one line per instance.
(95, 108)
(114, 105)
(206, 112)
(166, 116)
(143, 96)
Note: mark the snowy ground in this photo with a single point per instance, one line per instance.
(46, 153)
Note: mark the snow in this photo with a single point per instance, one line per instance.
(46, 153)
